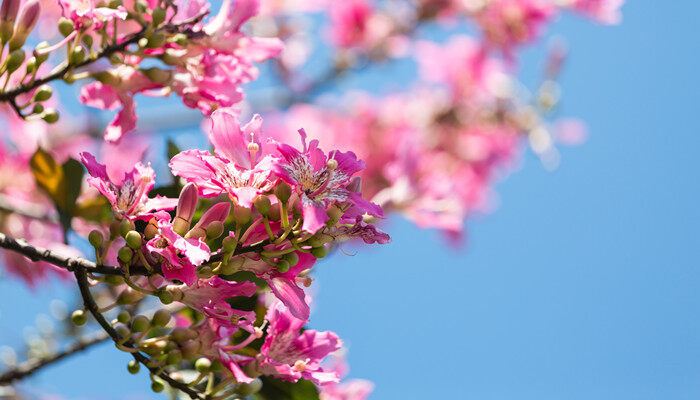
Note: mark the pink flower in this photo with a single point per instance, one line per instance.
(291, 355)
(128, 195)
(360, 230)
(209, 296)
(604, 11)
(349, 20)
(354, 389)
(106, 97)
(216, 344)
(85, 15)
(181, 255)
(321, 181)
(241, 166)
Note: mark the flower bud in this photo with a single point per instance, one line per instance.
(161, 318)
(42, 94)
(123, 331)
(140, 323)
(241, 215)
(129, 296)
(40, 56)
(125, 254)
(87, 39)
(202, 365)
(125, 226)
(123, 316)
(332, 164)
(228, 244)
(283, 266)
(95, 238)
(319, 252)
(151, 229)
(292, 258)
(78, 317)
(77, 55)
(174, 357)
(283, 191)
(14, 60)
(133, 367)
(156, 40)
(50, 116)
(157, 386)
(133, 240)
(262, 205)
(246, 389)
(30, 65)
(211, 223)
(28, 16)
(114, 4)
(186, 207)
(158, 75)
(65, 26)
(158, 16)
(165, 297)
(8, 14)
(37, 109)
(275, 212)
(190, 349)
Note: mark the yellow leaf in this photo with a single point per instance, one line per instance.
(49, 176)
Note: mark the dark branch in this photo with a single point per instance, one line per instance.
(91, 306)
(31, 366)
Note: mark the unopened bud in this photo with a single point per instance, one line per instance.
(190, 349)
(158, 16)
(140, 323)
(186, 207)
(174, 357)
(37, 109)
(292, 258)
(77, 55)
(161, 318)
(125, 254)
(133, 367)
(156, 40)
(133, 240)
(157, 386)
(283, 266)
(211, 223)
(158, 75)
(65, 26)
(228, 244)
(114, 4)
(283, 191)
(40, 56)
(42, 94)
(28, 16)
(165, 297)
(125, 226)
(8, 14)
(31, 65)
(262, 205)
(95, 238)
(50, 115)
(15, 59)
(151, 229)
(123, 316)
(319, 252)
(214, 230)
(79, 318)
(129, 296)
(241, 215)
(202, 365)
(87, 39)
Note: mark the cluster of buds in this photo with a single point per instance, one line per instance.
(230, 258)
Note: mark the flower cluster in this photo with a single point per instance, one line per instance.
(269, 212)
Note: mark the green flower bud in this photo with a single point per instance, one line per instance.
(319, 252)
(283, 191)
(202, 365)
(262, 205)
(77, 55)
(78, 317)
(292, 258)
(190, 349)
(161, 318)
(158, 16)
(31, 65)
(50, 115)
(165, 297)
(40, 58)
(228, 244)
(133, 240)
(96, 239)
(241, 215)
(180, 39)
(274, 214)
(114, 4)
(123, 316)
(214, 230)
(140, 323)
(87, 39)
(129, 296)
(246, 389)
(65, 26)
(174, 357)
(133, 367)
(123, 331)
(42, 94)
(15, 59)
(125, 254)
(38, 109)
(283, 266)
(156, 40)
(125, 226)
(157, 386)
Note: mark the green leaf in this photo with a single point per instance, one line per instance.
(275, 389)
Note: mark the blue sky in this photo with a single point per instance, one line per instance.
(582, 284)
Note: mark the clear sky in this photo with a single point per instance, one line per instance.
(583, 284)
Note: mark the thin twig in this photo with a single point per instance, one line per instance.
(31, 366)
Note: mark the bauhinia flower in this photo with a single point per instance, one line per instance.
(320, 181)
(291, 355)
(85, 15)
(242, 164)
(128, 195)
(181, 255)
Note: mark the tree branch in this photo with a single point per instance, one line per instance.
(31, 366)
